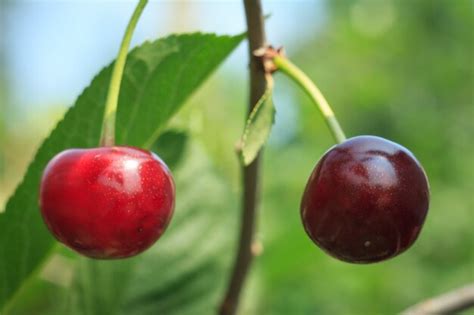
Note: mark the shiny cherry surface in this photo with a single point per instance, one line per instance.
(107, 202)
(366, 200)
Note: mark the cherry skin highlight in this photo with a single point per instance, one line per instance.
(366, 200)
(107, 202)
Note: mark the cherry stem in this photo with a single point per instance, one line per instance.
(108, 125)
(286, 66)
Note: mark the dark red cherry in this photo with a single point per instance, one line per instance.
(108, 202)
(366, 200)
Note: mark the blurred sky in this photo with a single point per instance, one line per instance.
(54, 48)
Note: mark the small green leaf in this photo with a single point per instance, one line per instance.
(258, 127)
(171, 146)
(159, 76)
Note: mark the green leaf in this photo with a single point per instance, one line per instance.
(98, 287)
(184, 62)
(258, 127)
(171, 146)
(158, 78)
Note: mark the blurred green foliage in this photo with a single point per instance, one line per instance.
(399, 69)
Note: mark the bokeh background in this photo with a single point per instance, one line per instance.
(400, 69)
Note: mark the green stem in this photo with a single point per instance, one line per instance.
(108, 125)
(287, 67)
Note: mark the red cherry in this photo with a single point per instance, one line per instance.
(107, 202)
(366, 200)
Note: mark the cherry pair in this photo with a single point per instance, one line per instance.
(365, 201)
